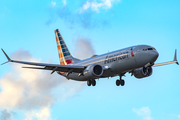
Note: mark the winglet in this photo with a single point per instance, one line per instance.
(175, 57)
(9, 60)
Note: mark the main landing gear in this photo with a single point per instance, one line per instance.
(91, 82)
(120, 82)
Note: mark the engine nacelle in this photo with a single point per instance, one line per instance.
(143, 72)
(93, 71)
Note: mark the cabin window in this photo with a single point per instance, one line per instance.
(150, 48)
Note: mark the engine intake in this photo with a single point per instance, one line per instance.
(143, 72)
(93, 71)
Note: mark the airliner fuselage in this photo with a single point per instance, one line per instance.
(120, 61)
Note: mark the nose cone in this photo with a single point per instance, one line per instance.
(154, 55)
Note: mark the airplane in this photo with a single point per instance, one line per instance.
(137, 60)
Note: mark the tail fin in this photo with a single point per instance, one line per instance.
(65, 56)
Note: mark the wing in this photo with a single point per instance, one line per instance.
(166, 63)
(45, 66)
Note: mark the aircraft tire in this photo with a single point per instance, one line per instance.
(117, 82)
(122, 82)
(93, 83)
(89, 82)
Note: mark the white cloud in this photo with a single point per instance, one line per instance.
(179, 116)
(32, 90)
(64, 2)
(95, 6)
(143, 112)
(53, 4)
(85, 15)
(42, 114)
(6, 115)
(28, 88)
(83, 48)
(70, 91)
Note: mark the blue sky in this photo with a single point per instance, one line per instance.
(27, 33)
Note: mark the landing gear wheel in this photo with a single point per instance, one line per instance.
(122, 82)
(117, 82)
(93, 83)
(89, 83)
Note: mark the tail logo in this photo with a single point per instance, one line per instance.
(64, 54)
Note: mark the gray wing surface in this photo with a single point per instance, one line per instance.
(45, 66)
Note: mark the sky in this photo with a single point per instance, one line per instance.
(88, 27)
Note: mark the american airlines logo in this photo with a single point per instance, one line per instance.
(132, 54)
(116, 57)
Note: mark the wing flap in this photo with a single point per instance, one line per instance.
(62, 68)
(77, 70)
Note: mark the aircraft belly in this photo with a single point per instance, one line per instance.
(74, 76)
(108, 74)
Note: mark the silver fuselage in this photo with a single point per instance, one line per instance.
(118, 62)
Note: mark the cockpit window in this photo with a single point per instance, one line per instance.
(149, 49)
(154, 49)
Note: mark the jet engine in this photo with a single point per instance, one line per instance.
(93, 71)
(143, 72)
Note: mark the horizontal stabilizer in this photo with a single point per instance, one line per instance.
(9, 60)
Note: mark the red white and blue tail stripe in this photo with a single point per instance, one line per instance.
(64, 54)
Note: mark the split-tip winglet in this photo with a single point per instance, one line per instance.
(175, 57)
(9, 60)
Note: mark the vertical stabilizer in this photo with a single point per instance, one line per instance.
(64, 54)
